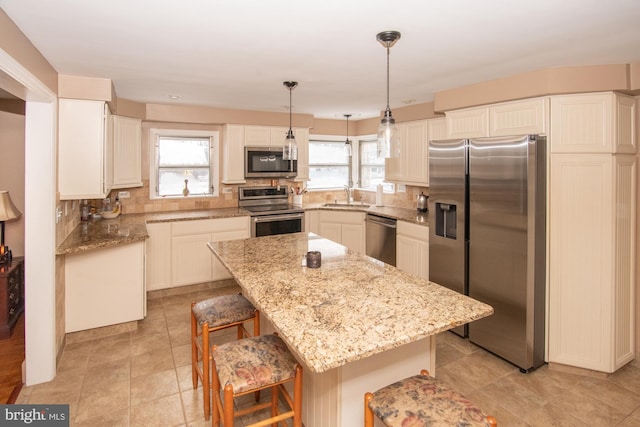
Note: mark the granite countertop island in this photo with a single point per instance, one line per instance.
(355, 323)
(352, 307)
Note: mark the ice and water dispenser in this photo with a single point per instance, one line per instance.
(446, 223)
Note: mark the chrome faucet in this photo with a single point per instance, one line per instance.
(349, 192)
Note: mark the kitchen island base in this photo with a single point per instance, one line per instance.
(335, 398)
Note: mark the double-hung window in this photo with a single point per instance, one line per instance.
(186, 163)
(328, 164)
(371, 167)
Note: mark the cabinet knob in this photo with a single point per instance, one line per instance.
(11, 311)
(12, 295)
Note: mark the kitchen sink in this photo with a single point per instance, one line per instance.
(353, 205)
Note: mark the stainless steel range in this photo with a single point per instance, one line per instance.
(271, 212)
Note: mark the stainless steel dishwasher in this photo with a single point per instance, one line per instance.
(381, 238)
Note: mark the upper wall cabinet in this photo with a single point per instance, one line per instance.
(413, 165)
(593, 123)
(84, 149)
(233, 154)
(236, 137)
(127, 152)
(525, 117)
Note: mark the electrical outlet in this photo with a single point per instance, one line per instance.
(124, 194)
(58, 213)
(402, 188)
(227, 190)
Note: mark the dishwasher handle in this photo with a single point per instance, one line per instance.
(379, 220)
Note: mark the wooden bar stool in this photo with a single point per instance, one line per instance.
(424, 400)
(212, 315)
(253, 364)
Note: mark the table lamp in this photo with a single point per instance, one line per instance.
(8, 212)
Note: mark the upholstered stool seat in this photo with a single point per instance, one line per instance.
(423, 401)
(253, 364)
(211, 315)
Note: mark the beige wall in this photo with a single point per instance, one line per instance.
(12, 175)
(16, 44)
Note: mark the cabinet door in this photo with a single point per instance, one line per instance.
(311, 221)
(412, 248)
(414, 154)
(591, 273)
(330, 230)
(436, 129)
(353, 237)
(528, 117)
(233, 155)
(158, 261)
(127, 152)
(302, 139)
(593, 123)
(258, 136)
(468, 123)
(191, 259)
(83, 152)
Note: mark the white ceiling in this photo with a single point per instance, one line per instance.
(237, 53)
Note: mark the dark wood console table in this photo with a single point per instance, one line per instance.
(11, 295)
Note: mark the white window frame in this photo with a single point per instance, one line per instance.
(214, 160)
(336, 138)
(389, 187)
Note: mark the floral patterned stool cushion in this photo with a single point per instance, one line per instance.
(211, 315)
(223, 310)
(422, 401)
(252, 364)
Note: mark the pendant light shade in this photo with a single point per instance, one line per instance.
(290, 147)
(388, 138)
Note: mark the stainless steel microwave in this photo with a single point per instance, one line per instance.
(267, 162)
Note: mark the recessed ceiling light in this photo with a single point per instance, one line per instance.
(174, 96)
(408, 101)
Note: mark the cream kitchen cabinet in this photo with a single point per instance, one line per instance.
(592, 218)
(593, 123)
(105, 287)
(236, 137)
(127, 152)
(346, 228)
(233, 154)
(158, 256)
(526, 117)
(191, 260)
(311, 219)
(413, 165)
(85, 149)
(412, 249)
(302, 140)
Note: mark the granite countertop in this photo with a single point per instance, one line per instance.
(350, 308)
(128, 228)
(401, 214)
(101, 233)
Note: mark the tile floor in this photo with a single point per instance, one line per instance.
(143, 378)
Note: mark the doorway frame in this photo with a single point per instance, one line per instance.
(40, 219)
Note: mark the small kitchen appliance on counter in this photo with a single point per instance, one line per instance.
(422, 203)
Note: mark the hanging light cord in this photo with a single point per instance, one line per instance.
(388, 107)
(290, 116)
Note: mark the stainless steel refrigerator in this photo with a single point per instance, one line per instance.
(487, 237)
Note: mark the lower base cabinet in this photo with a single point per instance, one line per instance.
(105, 287)
(177, 252)
(346, 228)
(412, 249)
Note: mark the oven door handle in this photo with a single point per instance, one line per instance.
(271, 218)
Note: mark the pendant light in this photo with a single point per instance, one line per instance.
(290, 147)
(347, 143)
(388, 138)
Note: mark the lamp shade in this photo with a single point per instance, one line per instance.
(8, 210)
